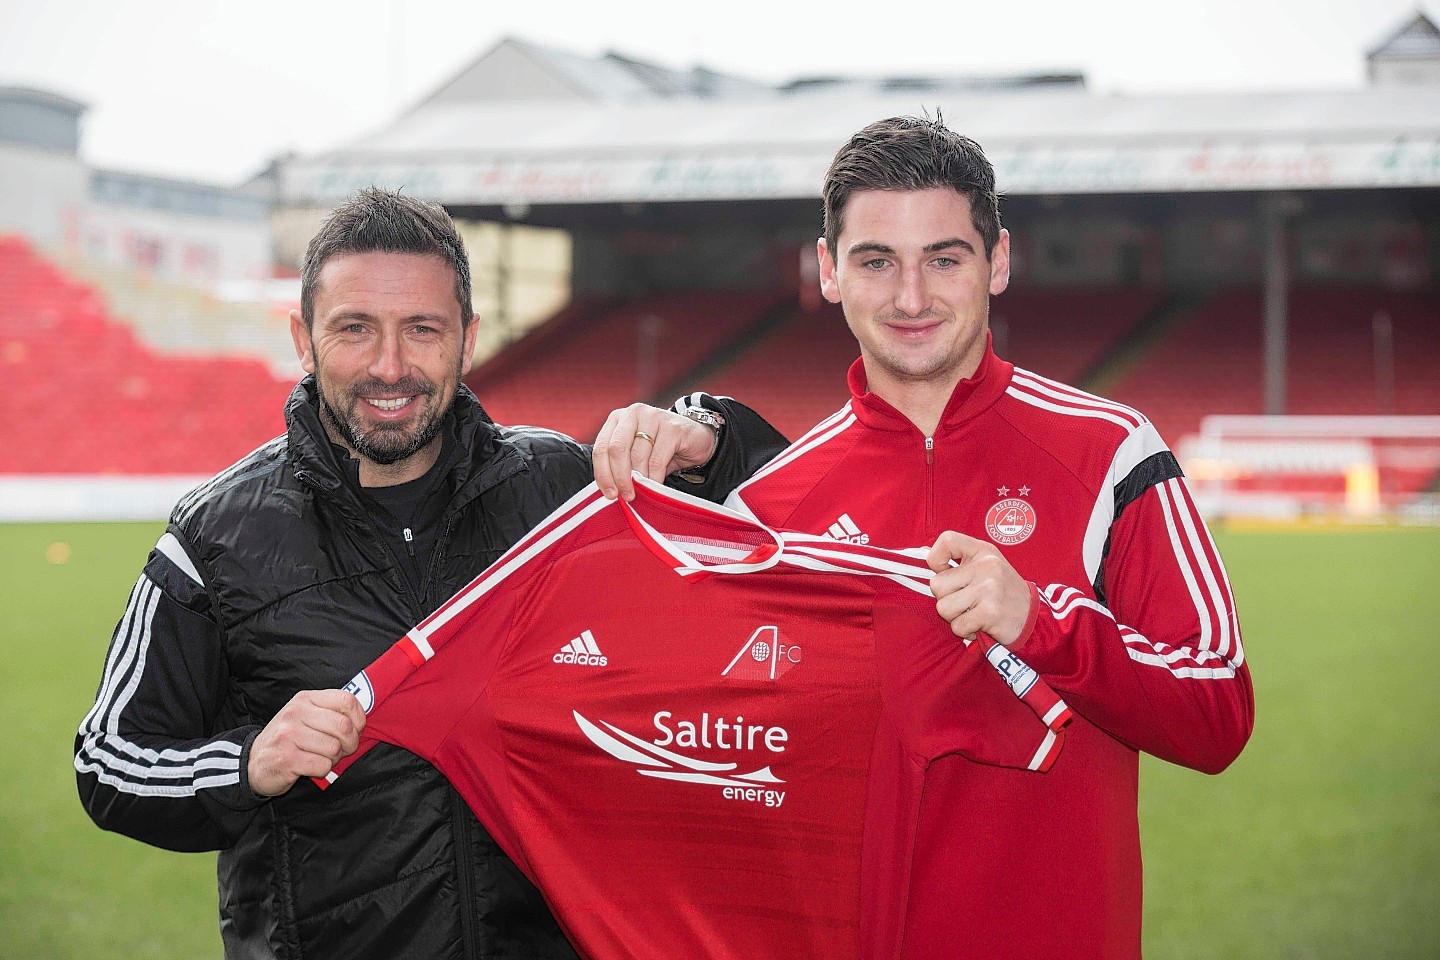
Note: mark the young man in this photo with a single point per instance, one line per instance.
(286, 574)
(1062, 528)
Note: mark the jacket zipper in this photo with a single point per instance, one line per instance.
(930, 487)
(464, 872)
(427, 582)
(410, 594)
(460, 815)
(464, 842)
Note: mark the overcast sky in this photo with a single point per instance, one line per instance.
(211, 91)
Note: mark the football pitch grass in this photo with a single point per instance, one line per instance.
(1322, 841)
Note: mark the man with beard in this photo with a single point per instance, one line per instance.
(283, 576)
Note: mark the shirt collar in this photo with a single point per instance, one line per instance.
(971, 396)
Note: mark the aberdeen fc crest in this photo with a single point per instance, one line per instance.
(1011, 520)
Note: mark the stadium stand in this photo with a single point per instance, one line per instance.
(1065, 333)
(1210, 364)
(794, 375)
(84, 396)
(1338, 365)
(176, 318)
(1214, 362)
(572, 371)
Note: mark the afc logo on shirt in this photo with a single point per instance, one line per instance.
(767, 655)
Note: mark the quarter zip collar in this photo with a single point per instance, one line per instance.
(971, 397)
(309, 445)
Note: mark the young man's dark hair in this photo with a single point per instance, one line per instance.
(912, 153)
(382, 221)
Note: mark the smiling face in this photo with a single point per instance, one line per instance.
(911, 273)
(388, 348)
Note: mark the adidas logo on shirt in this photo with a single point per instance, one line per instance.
(582, 650)
(846, 530)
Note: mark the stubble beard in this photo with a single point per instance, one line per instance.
(942, 367)
(895, 362)
(385, 443)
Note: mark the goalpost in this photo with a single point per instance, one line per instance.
(1371, 469)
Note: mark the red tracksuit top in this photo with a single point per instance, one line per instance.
(1133, 624)
(695, 734)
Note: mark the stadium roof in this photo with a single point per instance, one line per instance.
(515, 71)
(1419, 37)
(526, 125)
(42, 98)
(40, 118)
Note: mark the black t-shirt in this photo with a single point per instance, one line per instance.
(408, 515)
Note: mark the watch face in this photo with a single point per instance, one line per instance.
(715, 422)
(707, 417)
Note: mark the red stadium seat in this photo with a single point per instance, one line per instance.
(1214, 363)
(569, 380)
(86, 396)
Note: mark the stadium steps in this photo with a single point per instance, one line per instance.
(793, 375)
(180, 320)
(86, 396)
(724, 355)
(791, 369)
(1333, 365)
(1209, 362)
(536, 342)
(1061, 332)
(1158, 323)
(1210, 359)
(574, 370)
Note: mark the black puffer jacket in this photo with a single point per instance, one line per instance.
(271, 579)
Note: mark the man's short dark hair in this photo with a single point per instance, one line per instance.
(912, 153)
(382, 221)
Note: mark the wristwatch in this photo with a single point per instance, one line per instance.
(715, 422)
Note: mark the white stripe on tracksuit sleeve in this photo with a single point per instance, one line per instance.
(154, 757)
(1179, 690)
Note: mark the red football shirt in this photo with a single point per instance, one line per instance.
(686, 728)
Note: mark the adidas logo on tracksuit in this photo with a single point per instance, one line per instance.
(582, 650)
(846, 530)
